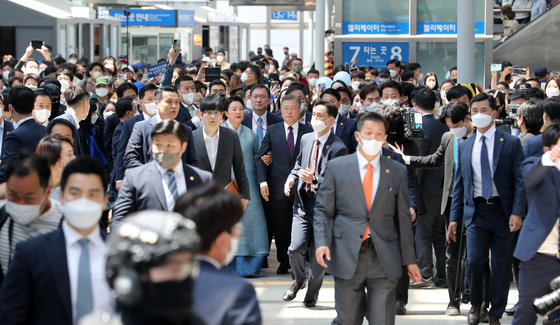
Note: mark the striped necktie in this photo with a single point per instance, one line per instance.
(172, 187)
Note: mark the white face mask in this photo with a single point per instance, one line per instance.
(32, 87)
(393, 73)
(459, 132)
(383, 80)
(302, 106)
(371, 107)
(188, 98)
(330, 38)
(481, 120)
(343, 109)
(101, 92)
(6, 75)
(318, 126)
(421, 77)
(72, 61)
(23, 213)
(244, 77)
(96, 74)
(83, 213)
(94, 118)
(312, 82)
(32, 70)
(151, 108)
(355, 85)
(431, 84)
(551, 92)
(234, 244)
(220, 58)
(394, 101)
(107, 114)
(136, 103)
(444, 97)
(64, 85)
(42, 115)
(371, 147)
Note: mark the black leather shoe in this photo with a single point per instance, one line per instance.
(291, 293)
(474, 315)
(493, 320)
(484, 315)
(282, 268)
(400, 308)
(309, 303)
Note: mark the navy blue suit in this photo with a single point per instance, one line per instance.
(79, 147)
(111, 123)
(126, 131)
(24, 138)
(487, 225)
(345, 128)
(8, 128)
(533, 147)
(271, 119)
(221, 297)
(184, 116)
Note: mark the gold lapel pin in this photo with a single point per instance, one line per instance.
(388, 157)
(502, 139)
(327, 146)
(387, 171)
(341, 123)
(191, 178)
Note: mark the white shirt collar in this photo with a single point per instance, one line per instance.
(324, 137)
(207, 137)
(178, 170)
(256, 116)
(489, 134)
(210, 260)
(21, 121)
(295, 127)
(72, 237)
(362, 161)
(158, 118)
(146, 116)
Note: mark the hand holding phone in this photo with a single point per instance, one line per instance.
(177, 45)
(36, 44)
(496, 67)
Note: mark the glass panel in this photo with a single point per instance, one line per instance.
(233, 53)
(165, 42)
(144, 50)
(389, 17)
(440, 16)
(440, 57)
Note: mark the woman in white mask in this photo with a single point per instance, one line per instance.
(552, 87)
(431, 81)
(42, 108)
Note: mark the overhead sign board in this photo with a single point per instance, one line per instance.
(375, 54)
(141, 17)
(375, 28)
(185, 18)
(284, 15)
(298, 5)
(445, 27)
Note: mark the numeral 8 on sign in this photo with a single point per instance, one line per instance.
(396, 53)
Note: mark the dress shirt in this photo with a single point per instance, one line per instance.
(322, 139)
(362, 164)
(335, 124)
(21, 121)
(295, 128)
(255, 117)
(211, 144)
(103, 299)
(146, 116)
(302, 120)
(179, 174)
(475, 161)
(2, 126)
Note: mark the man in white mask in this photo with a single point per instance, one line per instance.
(220, 297)
(395, 69)
(343, 127)
(316, 149)
(187, 93)
(390, 92)
(28, 211)
(65, 268)
(362, 227)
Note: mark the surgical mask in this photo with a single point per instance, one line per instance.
(136, 102)
(23, 213)
(244, 77)
(312, 82)
(444, 97)
(32, 87)
(220, 58)
(94, 118)
(355, 85)
(330, 38)
(101, 92)
(343, 109)
(188, 98)
(83, 213)
(371, 107)
(151, 108)
(167, 160)
(32, 70)
(302, 106)
(271, 69)
(234, 244)
(72, 61)
(390, 101)
(107, 114)
(6, 75)
(383, 80)
(213, 61)
(371, 147)
(64, 85)
(42, 114)
(481, 120)
(393, 73)
(317, 125)
(96, 74)
(551, 92)
(431, 84)
(439, 108)
(421, 76)
(297, 69)
(249, 105)
(460, 132)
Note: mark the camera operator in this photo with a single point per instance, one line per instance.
(538, 246)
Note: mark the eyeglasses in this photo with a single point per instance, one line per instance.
(212, 113)
(290, 109)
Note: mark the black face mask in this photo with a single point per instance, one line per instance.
(171, 300)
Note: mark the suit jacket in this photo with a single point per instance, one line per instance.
(282, 164)
(139, 147)
(229, 155)
(24, 138)
(79, 146)
(184, 116)
(111, 123)
(271, 119)
(389, 154)
(507, 160)
(341, 215)
(533, 147)
(345, 129)
(8, 128)
(541, 184)
(124, 136)
(142, 189)
(223, 298)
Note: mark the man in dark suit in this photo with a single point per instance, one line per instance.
(283, 141)
(218, 148)
(59, 277)
(362, 226)
(489, 194)
(27, 131)
(77, 99)
(139, 147)
(220, 297)
(537, 246)
(157, 184)
(260, 119)
(187, 111)
(299, 90)
(343, 127)
(316, 149)
(5, 129)
(534, 147)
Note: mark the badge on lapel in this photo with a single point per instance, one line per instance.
(191, 178)
(501, 139)
(387, 171)
(388, 157)
(327, 146)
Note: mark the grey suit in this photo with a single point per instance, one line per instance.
(229, 155)
(340, 219)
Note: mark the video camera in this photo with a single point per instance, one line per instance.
(511, 118)
(412, 121)
(549, 302)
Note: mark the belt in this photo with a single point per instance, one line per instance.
(490, 201)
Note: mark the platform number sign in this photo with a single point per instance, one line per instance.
(374, 54)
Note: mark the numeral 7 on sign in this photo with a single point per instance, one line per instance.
(356, 50)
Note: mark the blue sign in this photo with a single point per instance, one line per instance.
(374, 28)
(140, 17)
(374, 54)
(284, 15)
(445, 27)
(156, 70)
(185, 18)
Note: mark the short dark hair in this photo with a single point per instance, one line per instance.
(146, 88)
(125, 86)
(122, 106)
(171, 127)
(332, 92)
(56, 121)
(551, 135)
(532, 112)
(457, 92)
(50, 148)
(455, 110)
(217, 82)
(368, 89)
(407, 75)
(255, 87)
(85, 165)
(164, 89)
(425, 99)
(522, 93)
(75, 95)
(294, 86)
(357, 74)
(232, 99)
(290, 97)
(331, 109)
(371, 116)
(396, 62)
(413, 66)
(213, 209)
(212, 103)
(484, 96)
(389, 84)
(22, 99)
(23, 163)
(551, 108)
(66, 72)
(315, 71)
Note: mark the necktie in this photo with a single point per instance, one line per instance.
(368, 187)
(313, 164)
(455, 156)
(172, 187)
(485, 170)
(260, 129)
(291, 141)
(84, 301)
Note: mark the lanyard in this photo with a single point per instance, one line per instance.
(257, 124)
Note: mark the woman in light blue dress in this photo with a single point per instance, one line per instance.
(253, 243)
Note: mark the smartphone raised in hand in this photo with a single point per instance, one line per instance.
(496, 67)
(36, 44)
(177, 45)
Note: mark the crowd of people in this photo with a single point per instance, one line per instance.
(151, 198)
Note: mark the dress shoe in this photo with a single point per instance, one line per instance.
(309, 303)
(423, 284)
(282, 268)
(400, 308)
(510, 311)
(493, 320)
(484, 315)
(453, 309)
(474, 315)
(291, 293)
